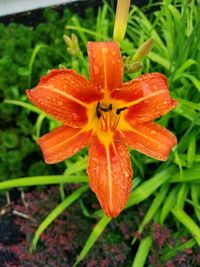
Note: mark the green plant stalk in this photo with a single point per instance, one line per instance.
(55, 213)
(32, 60)
(142, 252)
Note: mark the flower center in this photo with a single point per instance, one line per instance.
(108, 116)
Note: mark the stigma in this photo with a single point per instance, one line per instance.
(108, 116)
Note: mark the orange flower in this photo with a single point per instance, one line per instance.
(107, 115)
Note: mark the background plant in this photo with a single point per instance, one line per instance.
(171, 189)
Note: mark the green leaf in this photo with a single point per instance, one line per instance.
(142, 252)
(181, 196)
(43, 180)
(143, 191)
(160, 196)
(179, 72)
(188, 222)
(190, 175)
(180, 248)
(195, 194)
(169, 203)
(191, 149)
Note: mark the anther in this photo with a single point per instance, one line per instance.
(119, 110)
(97, 111)
(104, 109)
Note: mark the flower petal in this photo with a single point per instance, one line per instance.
(146, 97)
(150, 139)
(64, 95)
(105, 64)
(110, 173)
(62, 143)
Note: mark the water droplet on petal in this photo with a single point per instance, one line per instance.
(96, 70)
(114, 53)
(60, 103)
(105, 50)
(74, 116)
(153, 132)
(113, 62)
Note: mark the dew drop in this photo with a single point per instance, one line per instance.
(153, 132)
(105, 50)
(113, 62)
(60, 103)
(96, 70)
(74, 116)
(114, 53)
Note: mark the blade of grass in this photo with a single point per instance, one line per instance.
(43, 180)
(188, 222)
(181, 196)
(55, 213)
(143, 191)
(25, 105)
(169, 204)
(195, 194)
(189, 244)
(191, 152)
(160, 196)
(142, 252)
(190, 175)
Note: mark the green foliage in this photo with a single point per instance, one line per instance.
(170, 189)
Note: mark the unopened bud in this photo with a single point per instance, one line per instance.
(121, 19)
(73, 46)
(143, 50)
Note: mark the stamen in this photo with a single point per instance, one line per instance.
(97, 111)
(119, 110)
(104, 109)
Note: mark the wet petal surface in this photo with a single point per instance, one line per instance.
(105, 64)
(146, 97)
(64, 95)
(110, 174)
(151, 139)
(62, 143)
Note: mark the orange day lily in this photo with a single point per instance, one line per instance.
(106, 115)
